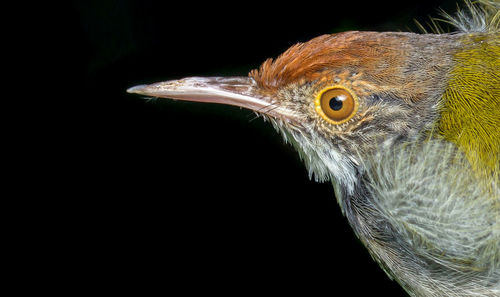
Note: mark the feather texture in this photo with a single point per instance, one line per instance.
(479, 16)
(441, 214)
(470, 110)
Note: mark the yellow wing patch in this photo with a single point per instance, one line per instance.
(470, 115)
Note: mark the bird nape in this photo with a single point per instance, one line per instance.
(406, 128)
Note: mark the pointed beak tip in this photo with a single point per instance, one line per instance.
(136, 89)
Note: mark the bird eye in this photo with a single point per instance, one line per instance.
(336, 104)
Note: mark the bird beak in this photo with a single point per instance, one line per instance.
(238, 91)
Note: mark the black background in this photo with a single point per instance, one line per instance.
(200, 198)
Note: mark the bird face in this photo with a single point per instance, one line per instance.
(336, 98)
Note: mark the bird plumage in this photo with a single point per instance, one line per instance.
(444, 229)
(471, 102)
(415, 166)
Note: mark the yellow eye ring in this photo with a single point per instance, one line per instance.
(336, 104)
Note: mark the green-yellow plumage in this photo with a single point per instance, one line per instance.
(470, 114)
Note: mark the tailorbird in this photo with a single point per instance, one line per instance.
(407, 129)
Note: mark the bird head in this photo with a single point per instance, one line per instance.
(336, 97)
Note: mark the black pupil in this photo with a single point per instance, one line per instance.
(335, 103)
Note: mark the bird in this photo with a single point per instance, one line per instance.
(406, 128)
